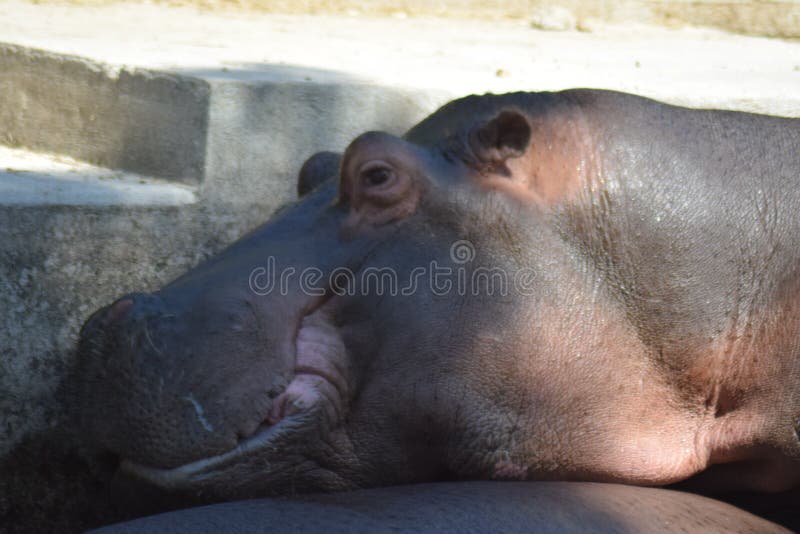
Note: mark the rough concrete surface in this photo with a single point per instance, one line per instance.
(226, 106)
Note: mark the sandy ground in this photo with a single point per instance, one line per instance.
(698, 67)
(776, 18)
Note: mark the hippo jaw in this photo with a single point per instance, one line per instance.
(201, 473)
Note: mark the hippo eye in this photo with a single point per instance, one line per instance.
(377, 175)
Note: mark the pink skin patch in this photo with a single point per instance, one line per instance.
(118, 310)
(319, 372)
(507, 470)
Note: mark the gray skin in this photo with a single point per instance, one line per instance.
(649, 332)
(464, 507)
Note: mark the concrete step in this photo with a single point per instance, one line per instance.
(239, 135)
(36, 179)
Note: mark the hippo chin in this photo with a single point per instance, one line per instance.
(582, 285)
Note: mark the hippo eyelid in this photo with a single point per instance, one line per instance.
(377, 173)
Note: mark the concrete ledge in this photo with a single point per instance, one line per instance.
(146, 122)
(242, 134)
(39, 179)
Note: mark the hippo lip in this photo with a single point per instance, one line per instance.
(263, 442)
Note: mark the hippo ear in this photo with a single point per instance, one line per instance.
(317, 169)
(505, 136)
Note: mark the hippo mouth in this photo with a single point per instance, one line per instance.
(319, 369)
(313, 401)
(266, 440)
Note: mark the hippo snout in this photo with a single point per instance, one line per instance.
(155, 389)
(117, 310)
(135, 307)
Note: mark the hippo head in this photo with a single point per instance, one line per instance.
(395, 324)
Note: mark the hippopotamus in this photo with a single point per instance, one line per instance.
(459, 507)
(562, 286)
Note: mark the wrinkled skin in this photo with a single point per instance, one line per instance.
(460, 507)
(650, 332)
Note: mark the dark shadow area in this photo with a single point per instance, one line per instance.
(781, 508)
(47, 485)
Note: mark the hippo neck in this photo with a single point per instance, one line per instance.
(717, 320)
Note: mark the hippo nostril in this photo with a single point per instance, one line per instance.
(105, 317)
(118, 310)
(133, 307)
